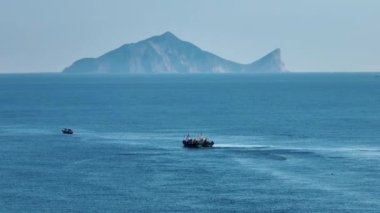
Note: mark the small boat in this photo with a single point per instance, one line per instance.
(67, 131)
(198, 142)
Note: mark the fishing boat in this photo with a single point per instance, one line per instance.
(197, 142)
(67, 131)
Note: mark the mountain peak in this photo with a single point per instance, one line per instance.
(272, 62)
(275, 54)
(277, 51)
(168, 34)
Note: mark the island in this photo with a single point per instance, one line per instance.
(167, 53)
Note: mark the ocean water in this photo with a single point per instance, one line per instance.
(283, 143)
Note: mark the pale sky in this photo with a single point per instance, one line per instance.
(314, 35)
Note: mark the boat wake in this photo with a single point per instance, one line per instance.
(247, 146)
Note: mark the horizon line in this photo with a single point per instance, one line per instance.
(288, 71)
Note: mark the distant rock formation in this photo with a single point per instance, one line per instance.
(272, 62)
(168, 54)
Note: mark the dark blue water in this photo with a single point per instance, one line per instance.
(284, 143)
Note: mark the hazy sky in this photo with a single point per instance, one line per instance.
(314, 35)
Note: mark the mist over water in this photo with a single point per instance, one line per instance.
(283, 143)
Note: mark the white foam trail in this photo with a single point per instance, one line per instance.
(129, 137)
(240, 146)
(21, 130)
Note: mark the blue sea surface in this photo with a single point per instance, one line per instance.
(283, 143)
